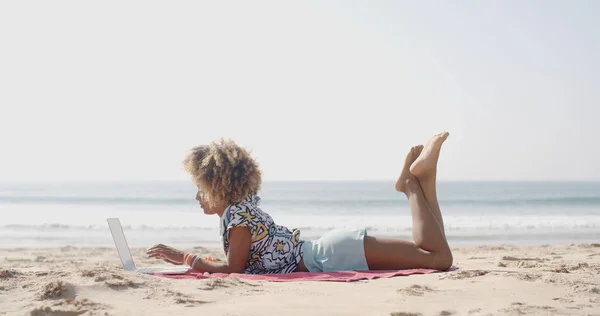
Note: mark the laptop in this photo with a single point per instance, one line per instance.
(125, 254)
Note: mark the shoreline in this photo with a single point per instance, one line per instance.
(217, 246)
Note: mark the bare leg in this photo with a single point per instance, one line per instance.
(425, 169)
(428, 185)
(429, 249)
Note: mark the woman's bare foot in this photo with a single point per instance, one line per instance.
(405, 175)
(426, 163)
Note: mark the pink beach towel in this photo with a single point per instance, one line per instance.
(345, 276)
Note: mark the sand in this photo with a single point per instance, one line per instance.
(490, 280)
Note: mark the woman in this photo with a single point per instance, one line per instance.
(228, 180)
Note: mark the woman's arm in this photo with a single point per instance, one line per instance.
(240, 241)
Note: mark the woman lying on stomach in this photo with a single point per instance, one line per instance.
(228, 181)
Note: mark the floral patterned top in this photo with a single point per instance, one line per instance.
(275, 249)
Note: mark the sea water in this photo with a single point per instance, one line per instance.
(60, 214)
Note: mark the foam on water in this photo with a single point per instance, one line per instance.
(67, 214)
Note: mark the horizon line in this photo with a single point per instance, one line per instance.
(295, 181)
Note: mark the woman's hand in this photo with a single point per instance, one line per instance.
(166, 253)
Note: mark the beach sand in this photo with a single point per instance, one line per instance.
(490, 280)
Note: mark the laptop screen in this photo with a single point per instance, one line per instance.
(122, 248)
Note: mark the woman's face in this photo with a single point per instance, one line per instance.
(208, 210)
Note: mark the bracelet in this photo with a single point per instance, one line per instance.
(195, 261)
(191, 259)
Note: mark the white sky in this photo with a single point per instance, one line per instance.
(320, 90)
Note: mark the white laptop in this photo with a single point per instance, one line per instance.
(123, 249)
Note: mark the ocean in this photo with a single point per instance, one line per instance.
(74, 214)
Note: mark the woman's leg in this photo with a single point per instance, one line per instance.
(425, 169)
(429, 249)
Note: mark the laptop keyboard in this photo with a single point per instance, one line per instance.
(175, 269)
(149, 270)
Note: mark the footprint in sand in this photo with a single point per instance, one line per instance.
(190, 302)
(530, 277)
(112, 279)
(122, 283)
(72, 306)
(524, 309)
(563, 300)
(442, 313)
(9, 273)
(212, 284)
(82, 303)
(56, 274)
(465, 274)
(511, 258)
(579, 266)
(415, 290)
(47, 311)
(153, 293)
(528, 265)
(90, 273)
(56, 289)
(585, 288)
(491, 248)
(179, 298)
(559, 270)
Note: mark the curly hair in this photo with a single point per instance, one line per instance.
(224, 172)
